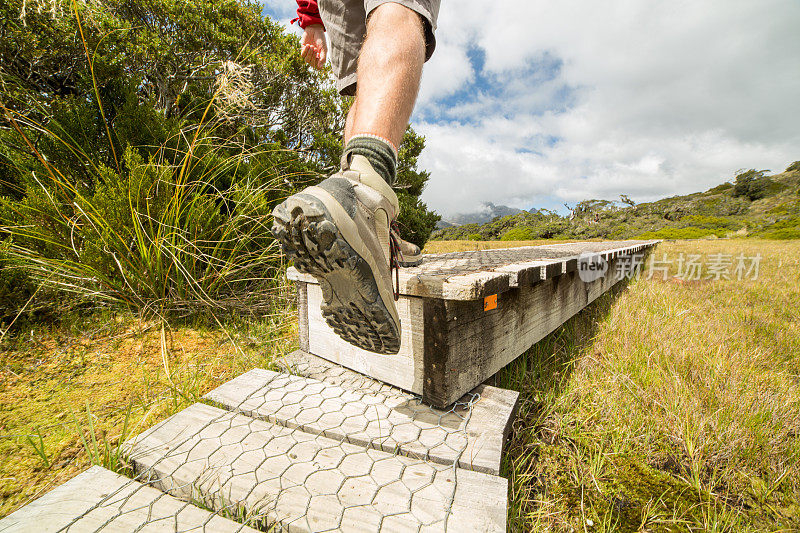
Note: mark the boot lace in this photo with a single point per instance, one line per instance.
(394, 253)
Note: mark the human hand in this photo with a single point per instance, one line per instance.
(313, 48)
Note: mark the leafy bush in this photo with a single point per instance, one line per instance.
(416, 221)
(710, 222)
(752, 184)
(723, 187)
(681, 233)
(794, 167)
(519, 234)
(781, 233)
(141, 169)
(788, 228)
(474, 237)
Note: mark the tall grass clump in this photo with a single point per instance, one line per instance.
(181, 230)
(132, 181)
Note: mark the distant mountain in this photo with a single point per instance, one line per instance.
(486, 213)
(444, 224)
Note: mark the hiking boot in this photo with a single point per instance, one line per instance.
(339, 232)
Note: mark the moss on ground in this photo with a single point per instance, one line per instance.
(84, 375)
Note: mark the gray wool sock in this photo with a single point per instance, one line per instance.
(379, 153)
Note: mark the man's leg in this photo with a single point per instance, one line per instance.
(340, 231)
(389, 72)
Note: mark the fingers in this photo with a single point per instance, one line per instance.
(317, 53)
(308, 54)
(313, 56)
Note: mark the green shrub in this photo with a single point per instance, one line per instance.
(794, 167)
(781, 234)
(788, 228)
(416, 221)
(710, 222)
(752, 184)
(519, 234)
(721, 188)
(474, 237)
(681, 233)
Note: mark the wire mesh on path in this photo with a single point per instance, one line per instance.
(296, 453)
(471, 261)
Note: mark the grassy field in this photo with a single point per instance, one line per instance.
(669, 405)
(69, 394)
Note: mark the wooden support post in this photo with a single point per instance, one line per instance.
(302, 314)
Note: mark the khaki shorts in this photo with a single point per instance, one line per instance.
(346, 25)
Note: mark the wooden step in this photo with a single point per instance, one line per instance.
(308, 482)
(470, 434)
(99, 499)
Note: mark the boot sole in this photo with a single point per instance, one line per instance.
(411, 262)
(353, 305)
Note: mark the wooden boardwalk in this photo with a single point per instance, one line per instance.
(317, 446)
(465, 315)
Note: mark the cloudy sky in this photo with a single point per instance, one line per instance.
(540, 103)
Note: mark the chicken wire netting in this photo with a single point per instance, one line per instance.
(326, 450)
(471, 261)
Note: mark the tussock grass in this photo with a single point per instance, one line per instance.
(160, 237)
(665, 405)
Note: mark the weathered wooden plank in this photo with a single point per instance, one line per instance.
(311, 483)
(100, 500)
(476, 274)
(475, 344)
(467, 286)
(302, 315)
(525, 273)
(470, 434)
(403, 369)
(428, 360)
(435, 355)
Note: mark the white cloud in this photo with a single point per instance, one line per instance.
(447, 71)
(282, 12)
(645, 98)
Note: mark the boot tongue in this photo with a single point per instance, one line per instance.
(369, 177)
